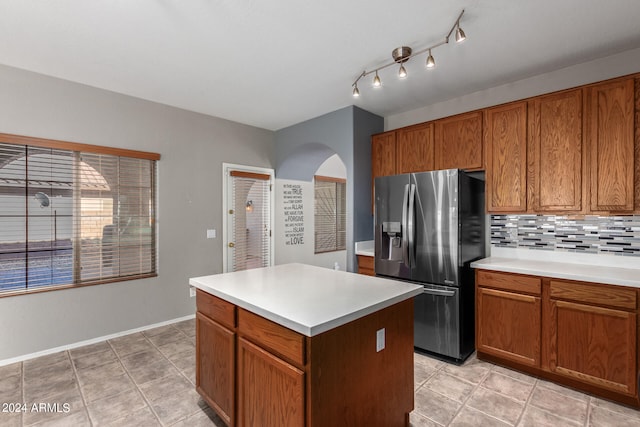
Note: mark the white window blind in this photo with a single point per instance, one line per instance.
(330, 214)
(251, 228)
(70, 217)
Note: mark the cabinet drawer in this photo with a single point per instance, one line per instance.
(509, 281)
(215, 308)
(612, 296)
(282, 341)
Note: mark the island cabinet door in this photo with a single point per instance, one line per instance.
(215, 366)
(593, 345)
(508, 325)
(270, 390)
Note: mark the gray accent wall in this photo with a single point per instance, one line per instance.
(302, 148)
(193, 147)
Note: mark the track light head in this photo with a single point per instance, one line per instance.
(376, 81)
(431, 62)
(356, 92)
(402, 72)
(460, 35)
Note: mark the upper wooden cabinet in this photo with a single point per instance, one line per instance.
(610, 137)
(406, 150)
(555, 152)
(505, 138)
(383, 154)
(571, 152)
(637, 135)
(458, 142)
(414, 149)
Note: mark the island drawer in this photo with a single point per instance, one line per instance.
(271, 336)
(598, 294)
(509, 281)
(215, 308)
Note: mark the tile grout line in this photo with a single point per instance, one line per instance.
(146, 401)
(589, 408)
(422, 385)
(77, 378)
(464, 404)
(177, 369)
(565, 418)
(526, 403)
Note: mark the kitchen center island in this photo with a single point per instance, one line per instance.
(298, 345)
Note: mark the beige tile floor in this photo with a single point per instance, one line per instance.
(147, 379)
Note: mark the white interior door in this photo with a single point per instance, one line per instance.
(248, 216)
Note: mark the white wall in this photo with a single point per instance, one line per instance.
(193, 147)
(289, 248)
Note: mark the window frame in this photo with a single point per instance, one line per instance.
(75, 147)
(335, 180)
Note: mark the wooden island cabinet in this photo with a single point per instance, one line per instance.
(579, 334)
(353, 365)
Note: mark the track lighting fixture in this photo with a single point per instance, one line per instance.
(402, 54)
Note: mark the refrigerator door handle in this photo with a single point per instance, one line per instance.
(405, 243)
(439, 292)
(410, 226)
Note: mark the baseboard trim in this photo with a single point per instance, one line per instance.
(92, 341)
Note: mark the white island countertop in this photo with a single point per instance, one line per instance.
(307, 299)
(585, 272)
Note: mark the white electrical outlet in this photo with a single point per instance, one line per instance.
(211, 234)
(380, 340)
(192, 291)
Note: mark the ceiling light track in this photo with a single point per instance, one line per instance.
(403, 54)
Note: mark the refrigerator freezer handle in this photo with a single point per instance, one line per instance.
(411, 226)
(405, 243)
(439, 292)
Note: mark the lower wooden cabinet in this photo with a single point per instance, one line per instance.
(509, 325)
(270, 390)
(592, 331)
(579, 334)
(366, 265)
(215, 366)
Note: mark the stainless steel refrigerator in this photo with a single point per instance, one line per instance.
(429, 227)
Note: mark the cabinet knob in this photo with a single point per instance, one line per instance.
(231, 244)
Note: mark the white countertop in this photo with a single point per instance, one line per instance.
(365, 248)
(307, 299)
(586, 272)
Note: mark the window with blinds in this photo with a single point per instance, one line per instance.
(251, 220)
(330, 215)
(74, 214)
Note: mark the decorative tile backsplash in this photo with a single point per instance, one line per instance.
(619, 235)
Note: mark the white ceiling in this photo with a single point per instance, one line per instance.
(275, 63)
